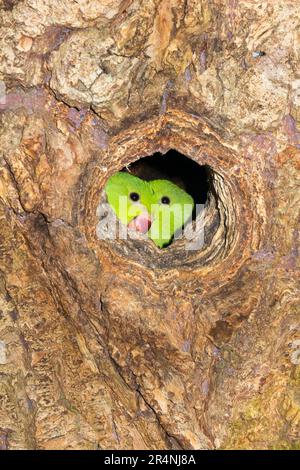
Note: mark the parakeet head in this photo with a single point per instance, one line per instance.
(158, 207)
(130, 198)
(171, 208)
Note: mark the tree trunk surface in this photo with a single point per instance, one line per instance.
(115, 344)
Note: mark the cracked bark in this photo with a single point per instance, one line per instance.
(115, 344)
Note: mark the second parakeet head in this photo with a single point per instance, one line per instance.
(159, 207)
(171, 208)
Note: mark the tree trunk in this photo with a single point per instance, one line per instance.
(115, 344)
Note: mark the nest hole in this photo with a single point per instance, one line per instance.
(195, 179)
(210, 192)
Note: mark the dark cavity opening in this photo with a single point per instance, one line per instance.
(195, 179)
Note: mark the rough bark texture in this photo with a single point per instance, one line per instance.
(118, 345)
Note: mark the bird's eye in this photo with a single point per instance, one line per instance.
(134, 196)
(165, 200)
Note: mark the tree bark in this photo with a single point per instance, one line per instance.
(115, 344)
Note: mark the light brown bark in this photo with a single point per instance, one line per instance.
(116, 344)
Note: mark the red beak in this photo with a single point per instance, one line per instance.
(141, 223)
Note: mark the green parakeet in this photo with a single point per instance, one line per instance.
(130, 198)
(171, 208)
(158, 208)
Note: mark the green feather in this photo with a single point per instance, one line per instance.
(118, 189)
(166, 218)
